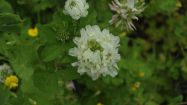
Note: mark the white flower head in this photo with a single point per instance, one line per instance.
(5, 70)
(76, 8)
(97, 52)
(126, 12)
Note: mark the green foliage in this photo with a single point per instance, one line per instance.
(152, 70)
(50, 52)
(5, 94)
(9, 22)
(5, 7)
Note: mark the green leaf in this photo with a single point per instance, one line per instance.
(47, 34)
(5, 7)
(35, 93)
(104, 13)
(23, 59)
(23, 71)
(46, 81)
(160, 6)
(176, 100)
(50, 52)
(69, 74)
(10, 22)
(4, 95)
(27, 86)
(90, 19)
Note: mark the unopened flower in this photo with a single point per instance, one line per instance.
(99, 103)
(141, 74)
(34, 102)
(70, 86)
(135, 86)
(5, 70)
(126, 11)
(76, 8)
(97, 52)
(11, 81)
(33, 32)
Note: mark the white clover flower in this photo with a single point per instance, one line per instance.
(126, 12)
(97, 52)
(76, 8)
(5, 70)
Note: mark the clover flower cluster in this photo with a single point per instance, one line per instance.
(96, 51)
(126, 11)
(76, 8)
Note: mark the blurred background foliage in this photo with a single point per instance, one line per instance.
(153, 68)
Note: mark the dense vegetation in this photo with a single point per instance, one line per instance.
(36, 35)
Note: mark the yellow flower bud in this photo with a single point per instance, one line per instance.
(141, 74)
(99, 103)
(135, 86)
(122, 34)
(33, 32)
